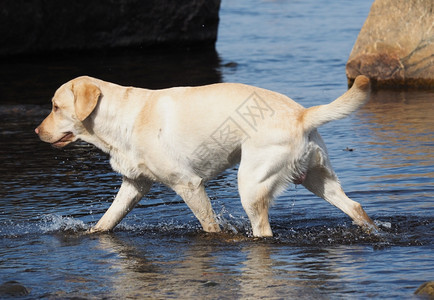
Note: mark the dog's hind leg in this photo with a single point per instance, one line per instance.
(257, 184)
(256, 201)
(321, 181)
(197, 200)
(129, 195)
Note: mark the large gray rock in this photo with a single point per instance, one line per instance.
(395, 46)
(52, 25)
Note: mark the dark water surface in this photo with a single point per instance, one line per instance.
(49, 197)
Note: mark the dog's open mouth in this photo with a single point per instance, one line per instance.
(65, 140)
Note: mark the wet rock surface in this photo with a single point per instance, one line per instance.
(13, 289)
(40, 26)
(395, 46)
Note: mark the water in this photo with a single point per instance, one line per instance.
(50, 197)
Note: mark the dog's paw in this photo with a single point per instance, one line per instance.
(94, 230)
(371, 228)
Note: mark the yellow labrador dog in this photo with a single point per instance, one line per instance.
(184, 136)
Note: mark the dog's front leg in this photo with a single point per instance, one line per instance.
(197, 200)
(129, 195)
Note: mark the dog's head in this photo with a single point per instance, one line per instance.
(73, 103)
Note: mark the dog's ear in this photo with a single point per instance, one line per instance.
(86, 97)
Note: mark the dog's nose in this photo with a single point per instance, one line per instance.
(37, 130)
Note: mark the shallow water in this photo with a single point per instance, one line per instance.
(50, 197)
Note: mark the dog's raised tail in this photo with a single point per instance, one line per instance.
(355, 97)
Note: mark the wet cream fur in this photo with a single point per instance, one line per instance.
(185, 136)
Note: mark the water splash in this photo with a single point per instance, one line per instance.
(232, 224)
(383, 224)
(54, 223)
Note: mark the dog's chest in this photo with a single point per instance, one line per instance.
(128, 166)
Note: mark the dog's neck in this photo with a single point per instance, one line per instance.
(107, 124)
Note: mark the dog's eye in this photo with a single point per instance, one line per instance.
(55, 107)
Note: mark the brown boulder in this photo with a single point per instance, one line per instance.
(395, 46)
(426, 289)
